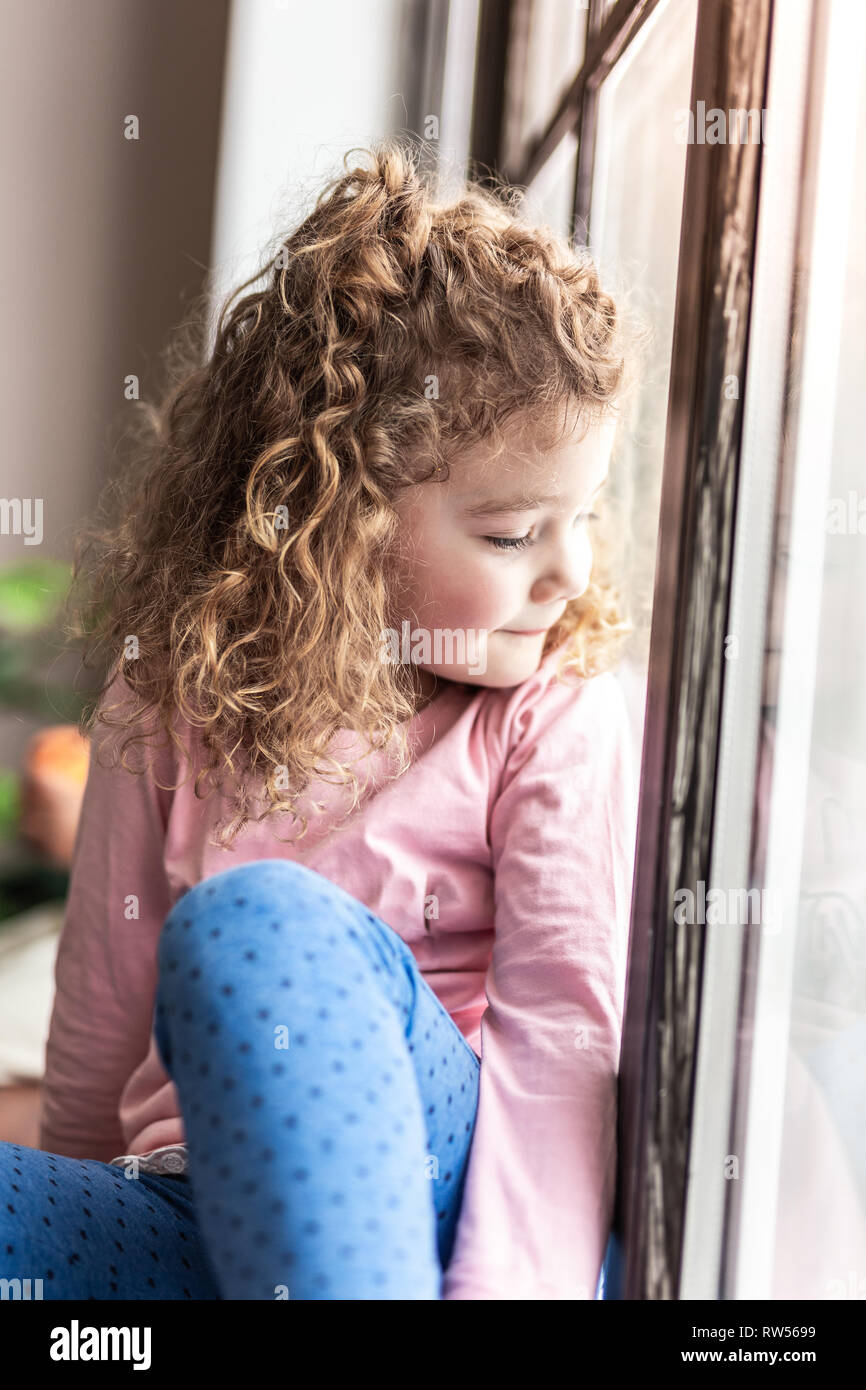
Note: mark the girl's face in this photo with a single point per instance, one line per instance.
(498, 549)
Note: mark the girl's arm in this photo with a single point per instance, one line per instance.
(105, 966)
(540, 1185)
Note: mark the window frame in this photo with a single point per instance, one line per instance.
(695, 555)
(504, 29)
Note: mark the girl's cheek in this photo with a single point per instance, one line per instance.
(476, 595)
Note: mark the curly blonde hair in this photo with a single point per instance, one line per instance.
(248, 550)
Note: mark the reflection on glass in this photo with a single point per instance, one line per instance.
(634, 233)
(820, 1242)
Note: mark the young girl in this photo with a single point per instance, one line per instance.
(340, 986)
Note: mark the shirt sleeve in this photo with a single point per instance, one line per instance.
(104, 970)
(540, 1182)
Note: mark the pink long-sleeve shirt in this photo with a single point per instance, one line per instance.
(517, 820)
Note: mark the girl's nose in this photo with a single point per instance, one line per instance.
(566, 577)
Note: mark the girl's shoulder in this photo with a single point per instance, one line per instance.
(559, 716)
(127, 731)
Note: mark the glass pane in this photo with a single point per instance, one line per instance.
(555, 48)
(634, 233)
(550, 196)
(820, 1230)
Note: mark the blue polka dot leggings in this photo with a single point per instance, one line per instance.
(328, 1102)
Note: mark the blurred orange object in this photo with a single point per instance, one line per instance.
(53, 781)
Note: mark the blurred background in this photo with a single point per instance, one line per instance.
(153, 147)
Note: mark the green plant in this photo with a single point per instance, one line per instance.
(33, 649)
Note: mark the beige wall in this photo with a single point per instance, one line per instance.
(102, 238)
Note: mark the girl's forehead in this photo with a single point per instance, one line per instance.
(524, 460)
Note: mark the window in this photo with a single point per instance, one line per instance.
(797, 1218)
(673, 220)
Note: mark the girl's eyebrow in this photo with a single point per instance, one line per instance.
(529, 502)
(526, 503)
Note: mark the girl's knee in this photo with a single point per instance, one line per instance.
(255, 887)
(15, 1178)
(269, 894)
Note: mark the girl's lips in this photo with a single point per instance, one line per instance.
(524, 632)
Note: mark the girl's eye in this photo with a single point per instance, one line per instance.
(509, 542)
(518, 542)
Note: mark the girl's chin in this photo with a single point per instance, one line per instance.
(500, 675)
